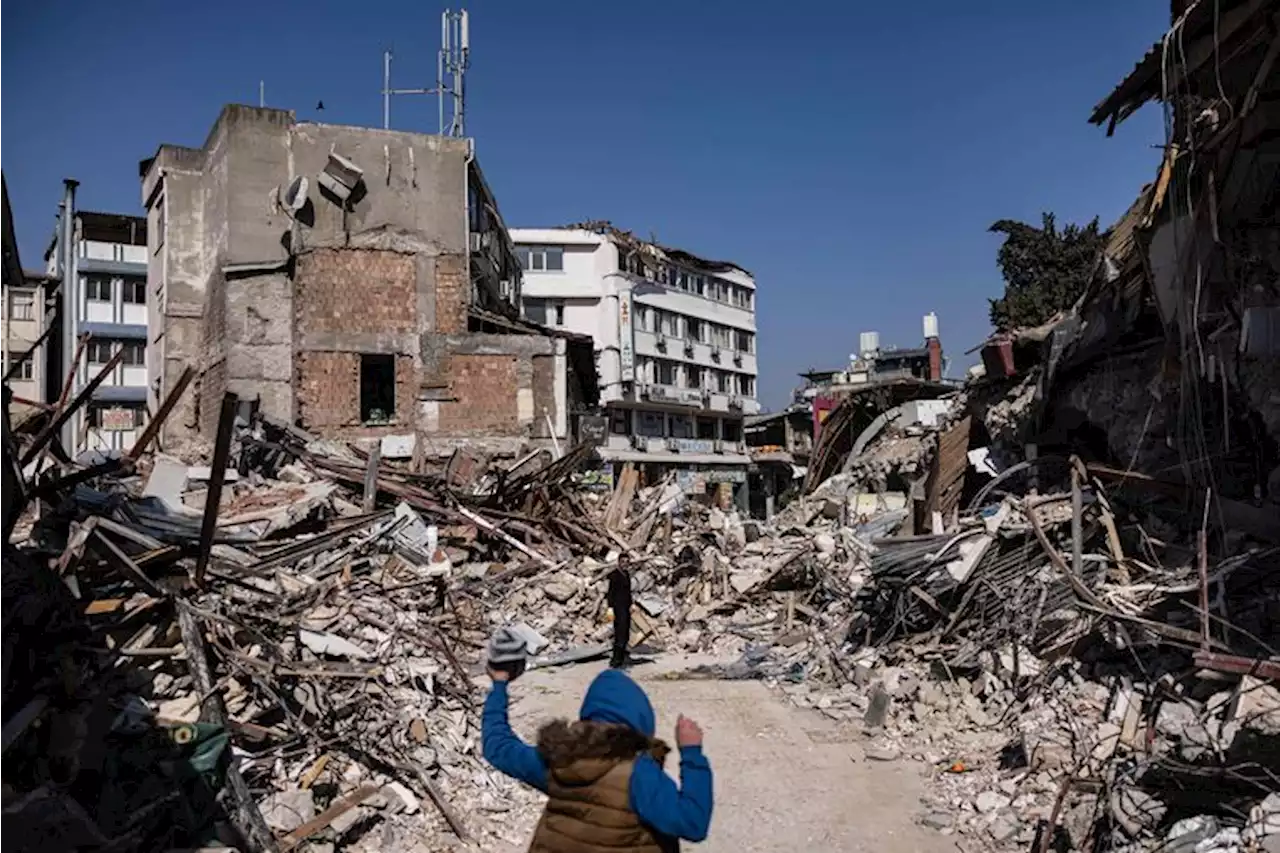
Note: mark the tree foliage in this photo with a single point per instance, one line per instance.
(1045, 269)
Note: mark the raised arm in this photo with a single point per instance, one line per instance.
(683, 812)
(503, 748)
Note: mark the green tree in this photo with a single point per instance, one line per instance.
(1045, 270)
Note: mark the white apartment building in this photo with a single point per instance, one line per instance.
(675, 341)
(110, 308)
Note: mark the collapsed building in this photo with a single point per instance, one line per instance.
(356, 283)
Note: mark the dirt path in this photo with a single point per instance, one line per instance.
(785, 779)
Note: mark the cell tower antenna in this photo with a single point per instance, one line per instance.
(452, 62)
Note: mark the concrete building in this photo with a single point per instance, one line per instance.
(675, 341)
(24, 317)
(108, 310)
(357, 283)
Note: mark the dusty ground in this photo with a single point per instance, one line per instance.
(785, 779)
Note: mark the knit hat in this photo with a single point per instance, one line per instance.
(507, 646)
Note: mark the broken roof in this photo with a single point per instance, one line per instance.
(1196, 37)
(680, 256)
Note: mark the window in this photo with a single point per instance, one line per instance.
(666, 372)
(644, 318)
(535, 310)
(116, 418)
(692, 376)
(731, 430)
(742, 297)
(699, 284)
(681, 426)
(135, 354)
(720, 336)
(99, 352)
(706, 428)
(22, 305)
(620, 421)
(25, 371)
(97, 289)
(541, 258)
(651, 424)
(746, 386)
(669, 324)
(742, 341)
(695, 330)
(135, 291)
(377, 388)
(724, 382)
(557, 314)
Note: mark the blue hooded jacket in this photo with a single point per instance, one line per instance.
(680, 812)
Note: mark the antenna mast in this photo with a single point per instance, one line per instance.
(452, 62)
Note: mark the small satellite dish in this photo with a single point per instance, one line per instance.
(294, 196)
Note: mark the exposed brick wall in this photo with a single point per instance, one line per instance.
(355, 291)
(328, 394)
(544, 394)
(484, 391)
(453, 294)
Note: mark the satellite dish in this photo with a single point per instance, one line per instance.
(294, 197)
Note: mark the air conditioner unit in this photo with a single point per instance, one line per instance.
(661, 340)
(706, 396)
(673, 444)
(643, 389)
(477, 241)
(340, 177)
(735, 403)
(737, 358)
(719, 445)
(639, 442)
(688, 347)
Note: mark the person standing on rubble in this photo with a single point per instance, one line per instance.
(619, 597)
(603, 777)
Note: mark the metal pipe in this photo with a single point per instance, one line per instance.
(70, 302)
(386, 90)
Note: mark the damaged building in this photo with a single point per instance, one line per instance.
(356, 283)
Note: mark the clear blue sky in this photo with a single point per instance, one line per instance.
(850, 154)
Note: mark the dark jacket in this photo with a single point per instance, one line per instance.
(618, 703)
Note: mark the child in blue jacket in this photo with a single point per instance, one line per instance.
(603, 774)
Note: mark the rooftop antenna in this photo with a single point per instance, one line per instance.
(452, 62)
(262, 93)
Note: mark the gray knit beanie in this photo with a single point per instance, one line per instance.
(507, 646)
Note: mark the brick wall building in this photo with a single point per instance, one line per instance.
(357, 282)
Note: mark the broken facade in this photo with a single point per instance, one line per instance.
(358, 283)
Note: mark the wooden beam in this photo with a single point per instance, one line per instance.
(152, 429)
(63, 416)
(217, 477)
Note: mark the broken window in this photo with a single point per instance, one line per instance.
(377, 388)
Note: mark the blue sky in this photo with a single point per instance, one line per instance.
(849, 154)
